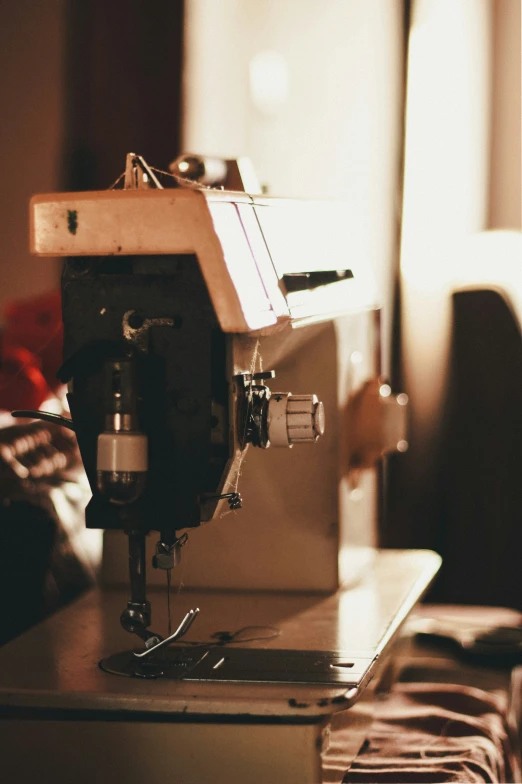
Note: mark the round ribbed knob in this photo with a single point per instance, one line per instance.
(294, 419)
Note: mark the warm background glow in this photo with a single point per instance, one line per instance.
(461, 177)
(312, 93)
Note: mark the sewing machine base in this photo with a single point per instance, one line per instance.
(106, 751)
(79, 723)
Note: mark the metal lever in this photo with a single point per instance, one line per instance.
(182, 629)
(46, 416)
(138, 173)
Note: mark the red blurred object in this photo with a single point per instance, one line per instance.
(31, 351)
(22, 384)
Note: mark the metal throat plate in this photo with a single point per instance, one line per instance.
(243, 665)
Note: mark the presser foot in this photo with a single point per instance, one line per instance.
(145, 664)
(156, 642)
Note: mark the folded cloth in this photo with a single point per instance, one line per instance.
(46, 556)
(436, 732)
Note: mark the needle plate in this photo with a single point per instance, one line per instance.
(242, 665)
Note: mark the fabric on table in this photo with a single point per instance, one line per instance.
(433, 732)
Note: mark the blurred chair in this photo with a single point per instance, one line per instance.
(478, 478)
(468, 505)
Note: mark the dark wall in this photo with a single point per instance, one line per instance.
(82, 82)
(32, 41)
(123, 86)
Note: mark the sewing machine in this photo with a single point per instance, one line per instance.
(222, 356)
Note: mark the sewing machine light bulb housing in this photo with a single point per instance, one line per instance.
(122, 466)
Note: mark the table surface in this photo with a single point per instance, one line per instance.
(55, 664)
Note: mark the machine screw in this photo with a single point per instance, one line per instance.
(135, 320)
(136, 617)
